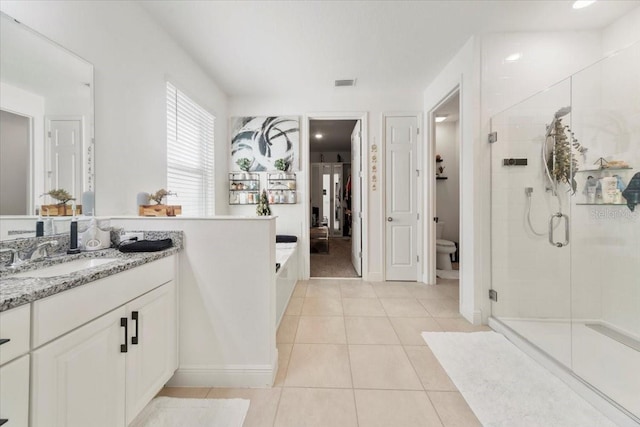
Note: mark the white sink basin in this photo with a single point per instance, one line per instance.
(66, 267)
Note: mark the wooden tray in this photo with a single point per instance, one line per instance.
(59, 210)
(159, 210)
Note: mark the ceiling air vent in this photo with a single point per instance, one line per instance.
(345, 82)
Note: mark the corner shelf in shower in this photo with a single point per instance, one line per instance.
(603, 170)
(601, 204)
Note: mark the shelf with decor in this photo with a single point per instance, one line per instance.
(281, 188)
(244, 188)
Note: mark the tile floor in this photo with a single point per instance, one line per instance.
(351, 354)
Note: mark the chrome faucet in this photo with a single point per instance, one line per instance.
(42, 250)
(14, 260)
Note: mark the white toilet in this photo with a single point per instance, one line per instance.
(444, 249)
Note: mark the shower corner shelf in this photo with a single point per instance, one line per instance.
(601, 204)
(603, 170)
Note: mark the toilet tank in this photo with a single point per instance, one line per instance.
(439, 229)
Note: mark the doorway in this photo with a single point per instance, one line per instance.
(447, 156)
(334, 174)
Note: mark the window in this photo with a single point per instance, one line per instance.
(189, 154)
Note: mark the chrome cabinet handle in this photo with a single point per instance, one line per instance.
(566, 230)
(389, 219)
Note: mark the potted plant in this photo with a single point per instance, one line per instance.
(62, 197)
(282, 165)
(244, 164)
(160, 209)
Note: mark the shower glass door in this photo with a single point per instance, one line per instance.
(565, 240)
(530, 260)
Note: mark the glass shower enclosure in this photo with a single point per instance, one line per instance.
(565, 180)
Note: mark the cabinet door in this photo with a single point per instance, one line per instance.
(14, 393)
(79, 379)
(152, 357)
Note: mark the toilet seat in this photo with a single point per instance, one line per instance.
(445, 245)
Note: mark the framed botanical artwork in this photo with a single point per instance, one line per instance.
(263, 140)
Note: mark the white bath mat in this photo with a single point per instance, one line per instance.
(504, 387)
(176, 412)
(448, 274)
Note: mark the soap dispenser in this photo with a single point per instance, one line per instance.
(73, 236)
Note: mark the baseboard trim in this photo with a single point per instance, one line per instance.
(253, 376)
(605, 405)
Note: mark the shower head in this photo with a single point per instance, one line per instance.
(562, 112)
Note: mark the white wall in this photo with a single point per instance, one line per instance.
(448, 191)
(291, 218)
(133, 58)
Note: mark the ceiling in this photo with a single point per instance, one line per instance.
(450, 109)
(336, 135)
(266, 48)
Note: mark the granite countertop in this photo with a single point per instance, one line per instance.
(17, 291)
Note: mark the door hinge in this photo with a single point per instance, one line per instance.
(493, 137)
(49, 134)
(493, 295)
(418, 173)
(359, 214)
(418, 131)
(359, 254)
(418, 258)
(418, 216)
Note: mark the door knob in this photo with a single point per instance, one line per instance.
(389, 219)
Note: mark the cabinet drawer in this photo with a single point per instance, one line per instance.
(14, 392)
(14, 326)
(60, 313)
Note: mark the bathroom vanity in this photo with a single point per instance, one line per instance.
(90, 347)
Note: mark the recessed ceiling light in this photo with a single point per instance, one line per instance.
(580, 4)
(440, 119)
(318, 136)
(513, 57)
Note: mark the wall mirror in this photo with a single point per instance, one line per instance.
(46, 120)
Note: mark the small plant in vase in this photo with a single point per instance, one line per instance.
(282, 165)
(61, 195)
(159, 195)
(263, 208)
(244, 164)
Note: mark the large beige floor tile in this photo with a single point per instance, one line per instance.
(363, 307)
(429, 370)
(295, 306)
(321, 330)
(460, 324)
(319, 365)
(287, 330)
(430, 292)
(325, 289)
(300, 291)
(391, 290)
(307, 407)
(403, 307)
(453, 409)
(284, 354)
(386, 408)
(357, 290)
(263, 405)
(382, 367)
(185, 392)
(370, 330)
(314, 306)
(441, 307)
(409, 329)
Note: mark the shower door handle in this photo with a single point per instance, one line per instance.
(566, 230)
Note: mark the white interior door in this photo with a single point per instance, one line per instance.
(64, 154)
(356, 198)
(401, 247)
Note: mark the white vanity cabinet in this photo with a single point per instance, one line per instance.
(93, 355)
(14, 366)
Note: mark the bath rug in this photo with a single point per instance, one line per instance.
(504, 387)
(177, 412)
(448, 274)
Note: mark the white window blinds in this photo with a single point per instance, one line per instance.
(190, 171)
